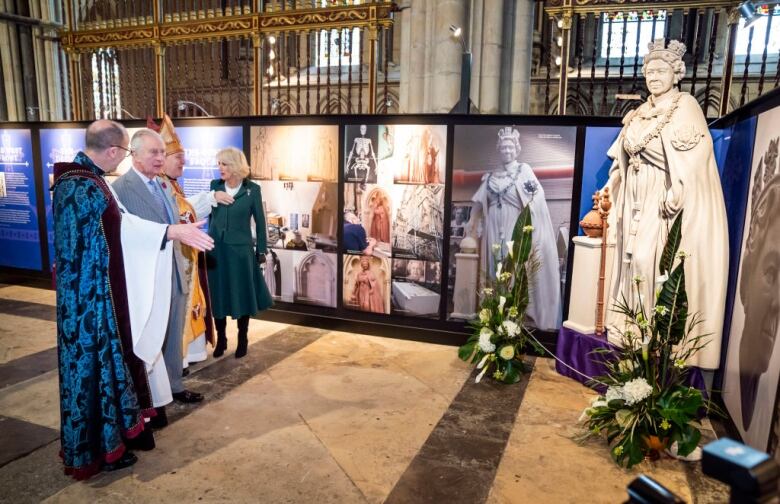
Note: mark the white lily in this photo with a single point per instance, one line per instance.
(501, 303)
(480, 375)
(498, 270)
(483, 361)
(511, 245)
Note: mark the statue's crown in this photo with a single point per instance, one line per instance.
(767, 169)
(508, 132)
(675, 48)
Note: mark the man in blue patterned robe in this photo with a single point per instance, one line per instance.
(104, 390)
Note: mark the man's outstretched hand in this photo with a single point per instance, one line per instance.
(190, 234)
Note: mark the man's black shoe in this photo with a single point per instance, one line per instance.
(185, 372)
(160, 420)
(143, 441)
(126, 460)
(186, 396)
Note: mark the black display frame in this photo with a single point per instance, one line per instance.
(453, 331)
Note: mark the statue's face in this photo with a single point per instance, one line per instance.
(659, 76)
(508, 151)
(364, 263)
(174, 165)
(761, 299)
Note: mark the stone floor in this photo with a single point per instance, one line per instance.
(313, 415)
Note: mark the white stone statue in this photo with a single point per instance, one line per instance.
(501, 196)
(664, 163)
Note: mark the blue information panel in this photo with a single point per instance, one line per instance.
(19, 237)
(596, 163)
(57, 146)
(201, 144)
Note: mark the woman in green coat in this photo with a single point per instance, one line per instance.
(236, 283)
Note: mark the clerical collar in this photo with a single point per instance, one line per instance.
(87, 163)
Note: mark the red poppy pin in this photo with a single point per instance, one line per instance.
(164, 186)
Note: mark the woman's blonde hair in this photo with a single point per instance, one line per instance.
(235, 160)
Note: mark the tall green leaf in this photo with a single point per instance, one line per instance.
(522, 240)
(672, 244)
(671, 324)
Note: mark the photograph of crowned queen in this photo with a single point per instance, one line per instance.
(498, 172)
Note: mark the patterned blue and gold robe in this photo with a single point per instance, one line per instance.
(104, 393)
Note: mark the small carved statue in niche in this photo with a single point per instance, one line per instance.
(368, 293)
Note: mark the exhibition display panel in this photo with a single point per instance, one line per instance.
(401, 220)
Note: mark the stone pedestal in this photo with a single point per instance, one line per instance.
(585, 282)
(466, 284)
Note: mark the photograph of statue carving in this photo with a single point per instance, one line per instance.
(417, 154)
(272, 273)
(498, 171)
(387, 142)
(367, 283)
(299, 153)
(664, 164)
(361, 164)
(367, 213)
(753, 357)
(260, 168)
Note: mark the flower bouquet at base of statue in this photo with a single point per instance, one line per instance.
(497, 345)
(648, 406)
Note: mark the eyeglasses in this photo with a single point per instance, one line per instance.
(124, 149)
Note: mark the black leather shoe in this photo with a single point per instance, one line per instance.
(185, 372)
(161, 420)
(125, 460)
(142, 442)
(187, 396)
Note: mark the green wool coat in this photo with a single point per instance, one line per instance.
(236, 283)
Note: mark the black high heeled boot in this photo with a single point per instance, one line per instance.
(243, 330)
(221, 325)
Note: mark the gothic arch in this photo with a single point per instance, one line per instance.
(332, 103)
(315, 280)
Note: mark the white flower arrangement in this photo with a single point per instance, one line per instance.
(511, 329)
(484, 341)
(497, 344)
(636, 390)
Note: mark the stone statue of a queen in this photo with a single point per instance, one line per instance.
(664, 163)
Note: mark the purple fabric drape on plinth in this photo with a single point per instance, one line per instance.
(577, 350)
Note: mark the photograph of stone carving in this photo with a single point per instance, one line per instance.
(367, 283)
(414, 154)
(272, 273)
(301, 276)
(416, 287)
(418, 223)
(368, 209)
(361, 163)
(498, 171)
(301, 153)
(753, 358)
